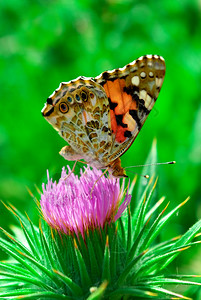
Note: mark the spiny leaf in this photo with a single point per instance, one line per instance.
(147, 202)
(81, 244)
(164, 280)
(129, 229)
(15, 212)
(48, 255)
(182, 276)
(106, 263)
(114, 254)
(132, 292)
(38, 295)
(35, 232)
(132, 185)
(14, 268)
(125, 273)
(94, 266)
(132, 252)
(57, 253)
(184, 240)
(172, 212)
(74, 288)
(149, 261)
(19, 256)
(30, 241)
(17, 243)
(85, 278)
(152, 232)
(166, 218)
(29, 279)
(95, 238)
(11, 285)
(167, 292)
(138, 213)
(123, 233)
(97, 293)
(154, 208)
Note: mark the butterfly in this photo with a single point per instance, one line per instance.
(101, 117)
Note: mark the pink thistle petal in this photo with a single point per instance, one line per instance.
(75, 205)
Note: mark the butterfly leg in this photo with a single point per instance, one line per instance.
(98, 180)
(69, 154)
(73, 169)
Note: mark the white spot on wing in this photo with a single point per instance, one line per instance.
(99, 76)
(133, 62)
(159, 66)
(151, 105)
(111, 71)
(45, 105)
(135, 80)
(133, 68)
(127, 119)
(151, 84)
(143, 75)
(150, 64)
(159, 82)
(93, 100)
(123, 69)
(143, 95)
(148, 101)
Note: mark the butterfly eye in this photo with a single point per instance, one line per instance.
(91, 95)
(63, 107)
(84, 96)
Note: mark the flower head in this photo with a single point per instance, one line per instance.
(74, 205)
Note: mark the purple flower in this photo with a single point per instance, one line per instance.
(74, 205)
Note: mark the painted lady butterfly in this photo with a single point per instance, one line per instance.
(101, 117)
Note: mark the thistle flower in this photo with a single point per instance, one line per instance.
(75, 205)
(118, 258)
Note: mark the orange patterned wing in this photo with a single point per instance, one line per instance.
(132, 92)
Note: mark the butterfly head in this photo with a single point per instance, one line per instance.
(116, 169)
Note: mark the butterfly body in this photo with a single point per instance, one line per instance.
(100, 117)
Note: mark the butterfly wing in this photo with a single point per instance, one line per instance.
(79, 110)
(132, 92)
(100, 117)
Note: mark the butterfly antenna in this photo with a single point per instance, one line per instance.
(145, 176)
(155, 164)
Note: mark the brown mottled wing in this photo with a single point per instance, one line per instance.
(85, 124)
(132, 92)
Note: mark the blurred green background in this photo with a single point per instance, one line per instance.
(45, 42)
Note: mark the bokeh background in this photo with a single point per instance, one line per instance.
(44, 42)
